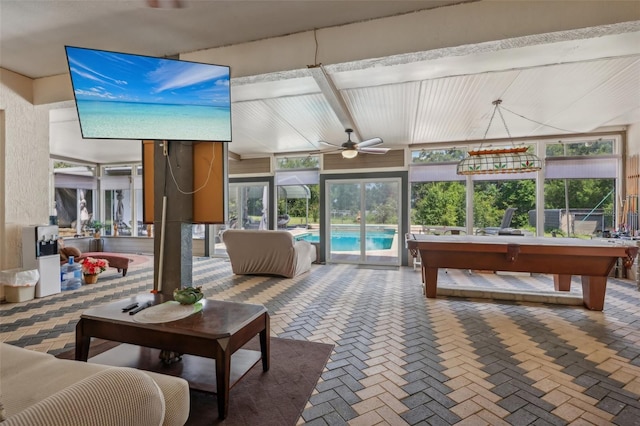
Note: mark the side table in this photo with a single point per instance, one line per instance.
(96, 244)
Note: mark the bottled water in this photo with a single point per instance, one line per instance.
(70, 275)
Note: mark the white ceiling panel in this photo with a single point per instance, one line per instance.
(266, 126)
(273, 89)
(312, 116)
(89, 150)
(459, 108)
(255, 129)
(632, 116)
(480, 58)
(387, 112)
(616, 96)
(545, 93)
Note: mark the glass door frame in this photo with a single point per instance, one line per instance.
(212, 232)
(403, 207)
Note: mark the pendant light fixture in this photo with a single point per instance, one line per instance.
(499, 160)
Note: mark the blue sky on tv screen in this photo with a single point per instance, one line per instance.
(119, 77)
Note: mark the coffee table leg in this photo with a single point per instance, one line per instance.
(265, 344)
(82, 342)
(223, 367)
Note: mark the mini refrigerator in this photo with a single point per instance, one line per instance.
(40, 251)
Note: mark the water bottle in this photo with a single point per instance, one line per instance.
(70, 275)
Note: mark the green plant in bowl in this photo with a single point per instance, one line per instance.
(187, 295)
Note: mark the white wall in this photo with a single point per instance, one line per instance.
(26, 165)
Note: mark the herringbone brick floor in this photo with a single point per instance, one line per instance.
(400, 358)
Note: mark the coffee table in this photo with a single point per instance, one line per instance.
(217, 331)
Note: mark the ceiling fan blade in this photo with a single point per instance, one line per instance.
(370, 142)
(329, 144)
(327, 151)
(374, 150)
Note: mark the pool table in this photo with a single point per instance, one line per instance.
(562, 257)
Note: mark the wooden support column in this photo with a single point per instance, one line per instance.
(178, 244)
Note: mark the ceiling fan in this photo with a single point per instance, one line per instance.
(350, 149)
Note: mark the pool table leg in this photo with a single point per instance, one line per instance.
(562, 282)
(430, 279)
(593, 289)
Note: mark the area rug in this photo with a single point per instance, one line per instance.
(276, 397)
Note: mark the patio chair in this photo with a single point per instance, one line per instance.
(505, 224)
(283, 220)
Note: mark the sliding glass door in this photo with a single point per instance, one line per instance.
(363, 221)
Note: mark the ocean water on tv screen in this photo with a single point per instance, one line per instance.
(129, 120)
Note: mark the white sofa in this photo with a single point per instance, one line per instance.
(266, 252)
(39, 389)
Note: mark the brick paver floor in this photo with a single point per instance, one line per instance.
(400, 358)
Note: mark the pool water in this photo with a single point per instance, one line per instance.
(350, 240)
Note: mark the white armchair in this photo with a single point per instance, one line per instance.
(264, 252)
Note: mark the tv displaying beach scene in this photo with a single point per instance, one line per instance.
(126, 96)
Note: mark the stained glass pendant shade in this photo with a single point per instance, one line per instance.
(498, 160)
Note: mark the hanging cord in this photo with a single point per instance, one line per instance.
(499, 108)
(213, 157)
(315, 37)
(540, 123)
(504, 122)
(164, 206)
(495, 103)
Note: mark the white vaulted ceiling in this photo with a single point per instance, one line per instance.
(428, 101)
(572, 81)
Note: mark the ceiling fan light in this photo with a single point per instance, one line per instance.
(349, 153)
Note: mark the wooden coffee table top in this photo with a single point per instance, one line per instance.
(217, 319)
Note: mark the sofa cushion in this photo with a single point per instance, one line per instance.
(69, 251)
(22, 368)
(110, 397)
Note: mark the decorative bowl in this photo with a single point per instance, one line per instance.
(187, 295)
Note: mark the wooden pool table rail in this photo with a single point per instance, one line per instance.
(562, 257)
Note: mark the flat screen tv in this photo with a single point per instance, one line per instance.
(125, 96)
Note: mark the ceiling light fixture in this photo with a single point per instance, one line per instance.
(501, 159)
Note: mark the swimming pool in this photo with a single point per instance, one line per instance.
(350, 240)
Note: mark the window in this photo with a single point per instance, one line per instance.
(437, 155)
(75, 204)
(438, 193)
(492, 198)
(580, 187)
(587, 147)
(298, 191)
(437, 206)
(301, 162)
(118, 213)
